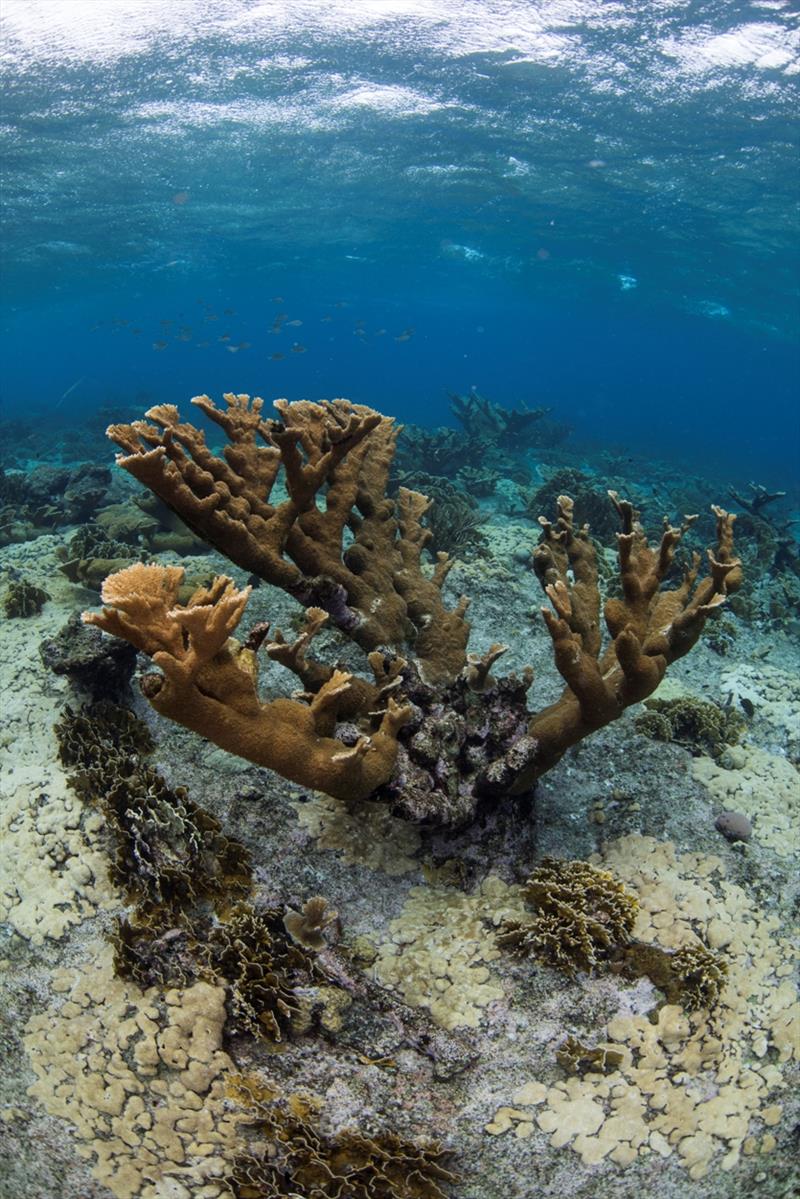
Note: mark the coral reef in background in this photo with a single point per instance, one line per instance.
(341, 547)
(47, 497)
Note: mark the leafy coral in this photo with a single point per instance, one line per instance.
(298, 1158)
(167, 851)
(699, 975)
(700, 726)
(580, 915)
(24, 598)
(262, 966)
(576, 1058)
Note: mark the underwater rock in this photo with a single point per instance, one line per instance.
(100, 666)
(734, 825)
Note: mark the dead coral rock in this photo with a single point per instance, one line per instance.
(100, 666)
(581, 915)
(461, 745)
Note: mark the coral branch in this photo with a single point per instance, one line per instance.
(435, 733)
(209, 684)
(335, 542)
(649, 628)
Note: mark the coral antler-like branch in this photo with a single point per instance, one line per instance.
(354, 558)
(649, 627)
(209, 684)
(335, 542)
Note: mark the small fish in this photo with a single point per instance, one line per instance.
(165, 324)
(224, 337)
(293, 324)
(341, 304)
(276, 357)
(185, 335)
(325, 319)
(406, 335)
(159, 345)
(298, 349)
(201, 345)
(212, 316)
(277, 299)
(70, 389)
(228, 312)
(380, 332)
(747, 705)
(232, 349)
(244, 345)
(136, 331)
(277, 324)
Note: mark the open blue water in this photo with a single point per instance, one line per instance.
(584, 204)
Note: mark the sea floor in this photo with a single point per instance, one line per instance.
(434, 1032)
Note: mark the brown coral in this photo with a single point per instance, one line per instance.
(580, 915)
(262, 967)
(649, 627)
(308, 926)
(209, 683)
(414, 737)
(372, 587)
(297, 1158)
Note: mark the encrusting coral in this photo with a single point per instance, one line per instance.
(697, 1085)
(416, 736)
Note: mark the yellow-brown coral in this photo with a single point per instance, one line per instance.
(209, 683)
(297, 1158)
(580, 915)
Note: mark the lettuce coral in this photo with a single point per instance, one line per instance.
(581, 914)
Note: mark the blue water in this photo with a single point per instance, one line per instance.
(591, 206)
